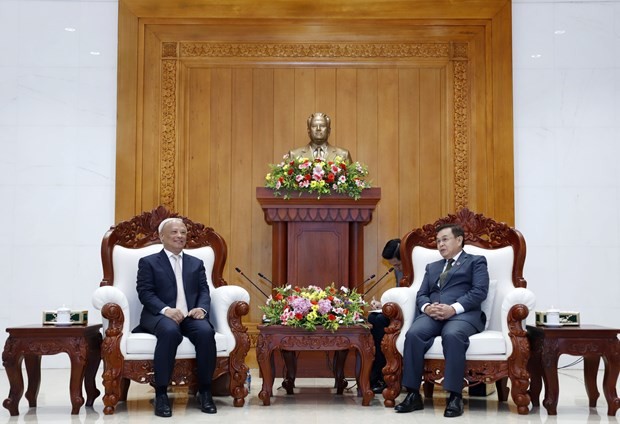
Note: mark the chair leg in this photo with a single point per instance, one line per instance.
(125, 382)
(112, 392)
(502, 389)
(429, 387)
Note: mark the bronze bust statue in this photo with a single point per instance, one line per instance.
(319, 127)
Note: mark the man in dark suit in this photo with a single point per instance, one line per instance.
(319, 128)
(391, 253)
(173, 289)
(448, 304)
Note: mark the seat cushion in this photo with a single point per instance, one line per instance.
(142, 346)
(485, 343)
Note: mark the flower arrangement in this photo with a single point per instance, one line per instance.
(312, 306)
(317, 176)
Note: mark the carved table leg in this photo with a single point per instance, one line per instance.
(535, 367)
(12, 362)
(75, 383)
(92, 365)
(33, 370)
(264, 357)
(550, 357)
(590, 369)
(340, 357)
(366, 354)
(290, 360)
(611, 358)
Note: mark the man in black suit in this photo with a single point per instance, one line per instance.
(391, 253)
(173, 289)
(448, 304)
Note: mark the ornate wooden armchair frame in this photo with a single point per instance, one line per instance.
(128, 356)
(499, 353)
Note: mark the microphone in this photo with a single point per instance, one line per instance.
(251, 282)
(363, 282)
(261, 275)
(379, 280)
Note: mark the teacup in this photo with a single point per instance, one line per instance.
(63, 316)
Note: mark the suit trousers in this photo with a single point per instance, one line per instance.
(419, 339)
(169, 337)
(379, 323)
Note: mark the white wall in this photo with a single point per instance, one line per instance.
(57, 138)
(567, 144)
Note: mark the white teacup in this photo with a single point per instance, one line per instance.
(63, 316)
(553, 317)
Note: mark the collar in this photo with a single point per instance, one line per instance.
(169, 253)
(457, 256)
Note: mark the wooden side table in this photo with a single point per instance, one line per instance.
(288, 340)
(81, 343)
(590, 341)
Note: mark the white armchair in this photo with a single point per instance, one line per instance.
(128, 356)
(498, 353)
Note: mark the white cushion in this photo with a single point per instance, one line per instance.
(485, 343)
(143, 345)
(487, 305)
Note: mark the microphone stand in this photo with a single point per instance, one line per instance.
(251, 282)
(378, 281)
(363, 282)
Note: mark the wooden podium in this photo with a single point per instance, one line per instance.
(318, 241)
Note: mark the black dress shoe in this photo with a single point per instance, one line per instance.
(162, 406)
(413, 402)
(206, 403)
(378, 387)
(454, 408)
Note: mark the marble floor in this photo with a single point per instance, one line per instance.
(314, 402)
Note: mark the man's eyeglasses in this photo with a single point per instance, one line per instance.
(443, 240)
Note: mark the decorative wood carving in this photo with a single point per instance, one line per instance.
(138, 232)
(487, 233)
(336, 50)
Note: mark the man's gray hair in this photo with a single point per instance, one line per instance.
(167, 220)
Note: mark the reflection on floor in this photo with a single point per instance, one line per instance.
(314, 402)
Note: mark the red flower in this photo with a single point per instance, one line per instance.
(330, 298)
(279, 296)
(298, 316)
(330, 178)
(314, 302)
(290, 171)
(307, 177)
(297, 289)
(343, 165)
(331, 317)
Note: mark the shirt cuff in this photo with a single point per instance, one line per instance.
(424, 307)
(163, 311)
(458, 308)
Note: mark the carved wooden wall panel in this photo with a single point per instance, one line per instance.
(205, 103)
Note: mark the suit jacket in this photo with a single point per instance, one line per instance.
(157, 286)
(330, 153)
(467, 283)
